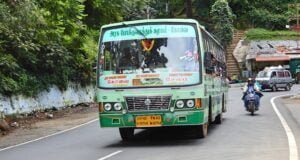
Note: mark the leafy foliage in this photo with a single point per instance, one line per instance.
(47, 42)
(269, 14)
(100, 12)
(223, 20)
(42, 44)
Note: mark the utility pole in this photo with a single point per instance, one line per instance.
(189, 10)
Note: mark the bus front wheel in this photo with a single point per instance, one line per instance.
(219, 119)
(201, 130)
(126, 133)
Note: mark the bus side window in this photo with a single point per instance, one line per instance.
(209, 68)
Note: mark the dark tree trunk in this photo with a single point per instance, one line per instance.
(189, 10)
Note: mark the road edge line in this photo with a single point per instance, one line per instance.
(110, 155)
(54, 134)
(291, 138)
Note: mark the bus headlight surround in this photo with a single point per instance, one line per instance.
(107, 106)
(180, 104)
(190, 103)
(117, 106)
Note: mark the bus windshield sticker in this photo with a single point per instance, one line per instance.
(149, 31)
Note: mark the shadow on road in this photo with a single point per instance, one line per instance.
(256, 114)
(167, 136)
(271, 91)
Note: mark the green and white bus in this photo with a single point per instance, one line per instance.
(158, 73)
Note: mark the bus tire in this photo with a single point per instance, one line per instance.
(210, 111)
(219, 119)
(126, 133)
(201, 130)
(224, 108)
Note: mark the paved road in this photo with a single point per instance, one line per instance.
(241, 136)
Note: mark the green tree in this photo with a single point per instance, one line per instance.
(269, 14)
(100, 12)
(44, 43)
(223, 19)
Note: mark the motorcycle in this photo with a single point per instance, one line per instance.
(251, 104)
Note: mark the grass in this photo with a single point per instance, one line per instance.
(263, 34)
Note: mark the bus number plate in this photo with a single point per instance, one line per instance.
(147, 121)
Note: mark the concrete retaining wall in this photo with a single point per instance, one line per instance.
(47, 99)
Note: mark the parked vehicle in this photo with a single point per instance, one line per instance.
(274, 78)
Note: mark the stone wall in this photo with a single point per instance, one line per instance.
(54, 97)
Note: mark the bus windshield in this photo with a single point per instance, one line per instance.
(149, 55)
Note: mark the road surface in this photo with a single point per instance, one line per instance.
(240, 136)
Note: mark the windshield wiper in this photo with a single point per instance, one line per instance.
(135, 28)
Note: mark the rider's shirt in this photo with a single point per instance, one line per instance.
(254, 86)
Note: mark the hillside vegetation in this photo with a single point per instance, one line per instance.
(54, 42)
(264, 34)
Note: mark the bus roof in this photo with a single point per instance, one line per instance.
(152, 20)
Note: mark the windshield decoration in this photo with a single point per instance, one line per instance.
(147, 45)
(149, 55)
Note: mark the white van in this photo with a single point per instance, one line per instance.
(275, 78)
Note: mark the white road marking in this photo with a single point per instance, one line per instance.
(57, 133)
(110, 155)
(291, 138)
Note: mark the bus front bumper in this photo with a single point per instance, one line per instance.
(177, 118)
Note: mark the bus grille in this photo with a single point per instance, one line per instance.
(148, 103)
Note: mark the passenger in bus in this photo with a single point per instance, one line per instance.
(215, 66)
(162, 61)
(127, 60)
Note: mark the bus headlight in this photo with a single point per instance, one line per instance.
(107, 106)
(190, 103)
(117, 106)
(179, 104)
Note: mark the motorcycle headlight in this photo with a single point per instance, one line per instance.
(117, 106)
(179, 104)
(107, 106)
(190, 103)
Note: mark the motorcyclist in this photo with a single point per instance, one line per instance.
(249, 87)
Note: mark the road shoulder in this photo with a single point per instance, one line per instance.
(37, 129)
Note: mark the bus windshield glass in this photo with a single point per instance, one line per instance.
(149, 55)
